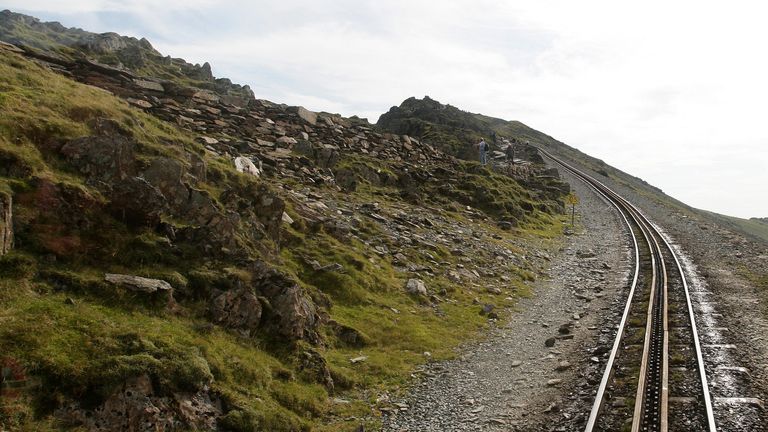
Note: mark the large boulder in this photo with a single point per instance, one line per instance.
(202, 73)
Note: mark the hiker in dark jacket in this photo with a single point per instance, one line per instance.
(482, 148)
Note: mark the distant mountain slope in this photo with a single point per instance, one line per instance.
(112, 49)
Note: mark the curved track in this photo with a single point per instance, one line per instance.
(654, 377)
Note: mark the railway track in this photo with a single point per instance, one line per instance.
(654, 377)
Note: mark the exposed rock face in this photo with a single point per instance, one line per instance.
(238, 309)
(104, 158)
(137, 202)
(316, 368)
(291, 313)
(105, 43)
(136, 407)
(6, 223)
(57, 214)
(168, 187)
(272, 302)
(203, 73)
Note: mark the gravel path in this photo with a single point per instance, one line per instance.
(512, 380)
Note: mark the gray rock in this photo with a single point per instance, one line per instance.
(105, 43)
(305, 114)
(286, 142)
(264, 143)
(246, 166)
(506, 225)
(149, 85)
(207, 140)
(487, 309)
(141, 103)
(137, 283)
(416, 287)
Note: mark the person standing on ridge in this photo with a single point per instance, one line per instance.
(482, 147)
(511, 153)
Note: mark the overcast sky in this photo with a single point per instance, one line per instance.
(674, 92)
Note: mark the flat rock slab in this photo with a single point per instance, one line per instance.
(137, 283)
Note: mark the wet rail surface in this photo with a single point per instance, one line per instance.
(655, 378)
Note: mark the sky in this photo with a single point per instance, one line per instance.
(671, 92)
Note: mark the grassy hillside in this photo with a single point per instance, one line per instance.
(99, 186)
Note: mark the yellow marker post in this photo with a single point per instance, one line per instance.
(572, 199)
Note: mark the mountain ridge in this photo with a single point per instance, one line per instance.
(168, 235)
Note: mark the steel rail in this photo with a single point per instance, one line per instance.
(711, 425)
(653, 233)
(650, 321)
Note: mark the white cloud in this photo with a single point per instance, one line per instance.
(684, 79)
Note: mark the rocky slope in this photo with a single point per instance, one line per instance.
(452, 130)
(177, 253)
